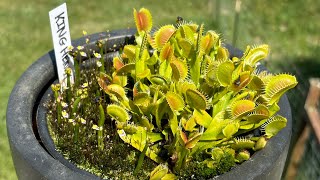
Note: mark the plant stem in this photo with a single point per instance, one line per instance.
(68, 89)
(182, 154)
(100, 124)
(76, 127)
(102, 69)
(59, 108)
(219, 96)
(140, 160)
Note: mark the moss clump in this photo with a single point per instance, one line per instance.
(117, 160)
(199, 169)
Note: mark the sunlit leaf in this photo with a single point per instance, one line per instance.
(243, 155)
(274, 125)
(186, 47)
(242, 143)
(179, 70)
(261, 112)
(192, 141)
(241, 107)
(224, 73)
(202, 118)
(222, 54)
(278, 85)
(166, 53)
(175, 101)
(195, 99)
(129, 51)
(256, 83)
(241, 80)
(127, 68)
(141, 99)
(163, 35)
(117, 63)
(158, 80)
(190, 124)
(260, 144)
(159, 172)
(104, 80)
(253, 55)
(116, 90)
(117, 113)
(143, 19)
(230, 129)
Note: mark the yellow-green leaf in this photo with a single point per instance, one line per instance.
(158, 80)
(260, 144)
(104, 80)
(154, 137)
(192, 141)
(241, 80)
(169, 177)
(261, 112)
(143, 19)
(256, 54)
(141, 99)
(224, 73)
(242, 143)
(120, 80)
(256, 83)
(165, 69)
(179, 70)
(117, 113)
(196, 100)
(241, 107)
(202, 118)
(129, 51)
(190, 124)
(163, 35)
(159, 172)
(243, 155)
(207, 42)
(173, 123)
(138, 140)
(166, 53)
(127, 68)
(186, 47)
(175, 101)
(117, 63)
(222, 54)
(230, 129)
(278, 85)
(116, 90)
(274, 125)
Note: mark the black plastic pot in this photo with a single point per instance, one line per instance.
(33, 161)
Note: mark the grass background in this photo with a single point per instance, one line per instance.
(291, 28)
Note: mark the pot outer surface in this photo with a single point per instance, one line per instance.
(32, 160)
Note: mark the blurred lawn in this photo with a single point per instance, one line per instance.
(291, 28)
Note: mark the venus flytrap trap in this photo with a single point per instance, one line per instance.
(177, 97)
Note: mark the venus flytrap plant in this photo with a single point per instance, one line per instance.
(205, 95)
(178, 98)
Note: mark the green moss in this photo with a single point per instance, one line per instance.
(116, 160)
(198, 169)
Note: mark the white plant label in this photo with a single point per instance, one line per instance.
(61, 41)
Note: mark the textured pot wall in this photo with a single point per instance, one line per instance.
(32, 161)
